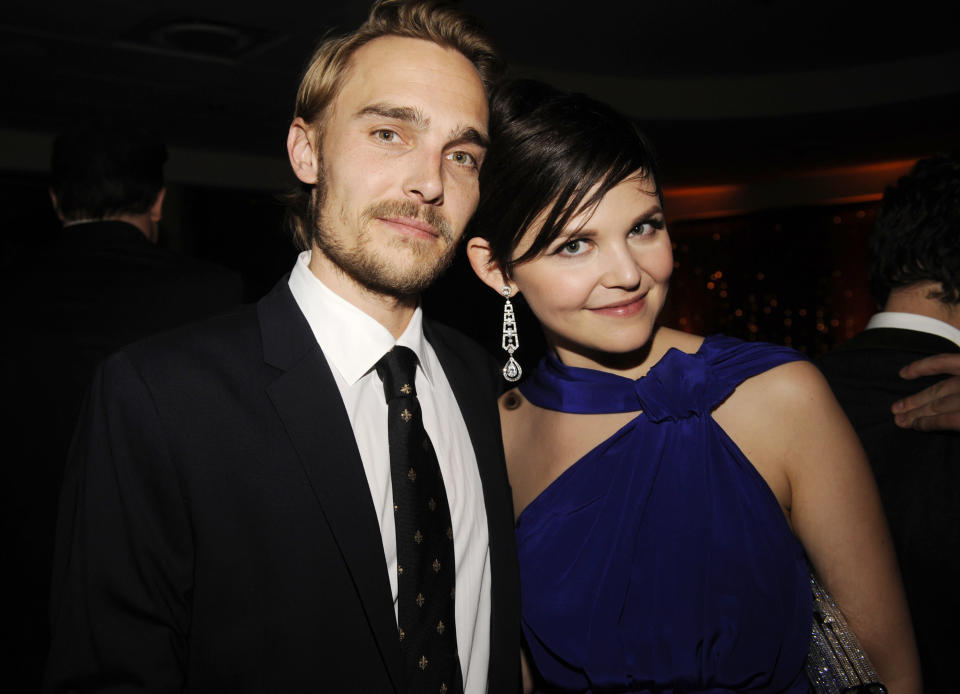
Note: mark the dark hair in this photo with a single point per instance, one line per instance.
(431, 20)
(916, 237)
(103, 167)
(548, 150)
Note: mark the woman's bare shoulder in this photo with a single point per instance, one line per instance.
(791, 387)
(772, 415)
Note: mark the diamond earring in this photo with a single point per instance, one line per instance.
(511, 370)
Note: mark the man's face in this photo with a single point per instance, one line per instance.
(401, 148)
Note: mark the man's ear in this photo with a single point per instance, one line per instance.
(488, 269)
(156, 209)
(302, 144)
(56, 205)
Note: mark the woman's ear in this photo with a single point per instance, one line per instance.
(302, 144)
(487, 269)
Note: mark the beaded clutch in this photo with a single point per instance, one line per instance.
(836, 664)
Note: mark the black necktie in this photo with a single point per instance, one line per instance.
(426, 570)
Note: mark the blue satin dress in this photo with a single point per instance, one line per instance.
(661, 560)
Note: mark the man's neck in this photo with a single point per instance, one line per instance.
(140, 221)
(916, 299)
(392, 312)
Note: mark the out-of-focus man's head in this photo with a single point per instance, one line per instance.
(916, 238)
(103, 168)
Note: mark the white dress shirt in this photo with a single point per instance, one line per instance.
(914, 321)
(352, 343)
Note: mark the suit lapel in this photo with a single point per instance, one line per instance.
(308, 402)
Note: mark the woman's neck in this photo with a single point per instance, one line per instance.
(633, 364)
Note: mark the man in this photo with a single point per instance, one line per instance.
(99, 285)
(914, 264)
(227, 522)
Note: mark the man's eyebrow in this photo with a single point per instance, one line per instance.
(470, 136)
(414, 116)
(407, 114)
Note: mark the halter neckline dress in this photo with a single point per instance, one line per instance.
(661, 560)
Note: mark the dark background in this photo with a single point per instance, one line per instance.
(778, 124)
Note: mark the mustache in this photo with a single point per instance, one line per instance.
(408, 208)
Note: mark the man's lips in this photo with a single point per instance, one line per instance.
(411, 225)
(627, 307)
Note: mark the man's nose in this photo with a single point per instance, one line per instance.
(424, 178)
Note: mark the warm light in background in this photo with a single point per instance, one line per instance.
(781, 260)
(833, 186)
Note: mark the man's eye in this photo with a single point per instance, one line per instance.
(386, 135)
(462, 158)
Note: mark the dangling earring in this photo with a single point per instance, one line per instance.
(511, 370)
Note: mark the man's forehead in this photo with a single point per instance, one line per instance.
(416, 74)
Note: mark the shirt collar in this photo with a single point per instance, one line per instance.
(352, 341)
(914, 321)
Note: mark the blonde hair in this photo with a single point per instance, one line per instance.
(431, 20)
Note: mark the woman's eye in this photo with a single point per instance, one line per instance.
(462, 158)
(647, 227)
(574, 247)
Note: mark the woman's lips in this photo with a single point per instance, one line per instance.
(622, 309)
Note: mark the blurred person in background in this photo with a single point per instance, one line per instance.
(101, 283)
(914, 267)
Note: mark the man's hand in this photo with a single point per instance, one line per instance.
(937, 407)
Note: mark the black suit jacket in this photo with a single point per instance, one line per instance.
(217, 531)
(95, 288)
(918, 474)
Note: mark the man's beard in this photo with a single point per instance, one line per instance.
(382, 273)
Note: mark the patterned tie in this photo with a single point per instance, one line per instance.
(426, 570)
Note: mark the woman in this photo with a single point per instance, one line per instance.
(669, 487)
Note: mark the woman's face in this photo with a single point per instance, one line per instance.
(599, 287)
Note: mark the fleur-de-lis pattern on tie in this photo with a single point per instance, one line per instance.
(424, 537)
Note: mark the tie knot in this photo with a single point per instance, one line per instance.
(398, 369)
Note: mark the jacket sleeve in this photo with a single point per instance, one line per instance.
(123, 558)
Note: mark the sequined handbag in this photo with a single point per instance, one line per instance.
(836, 664)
